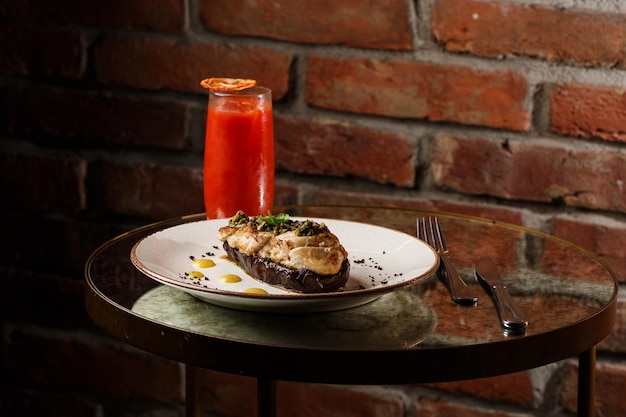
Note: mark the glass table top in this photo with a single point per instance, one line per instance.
(567, 294)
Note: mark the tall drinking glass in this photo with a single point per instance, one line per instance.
(239, 153)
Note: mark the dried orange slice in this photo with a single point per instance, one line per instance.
(227, 84)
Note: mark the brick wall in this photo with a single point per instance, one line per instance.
(508, 109)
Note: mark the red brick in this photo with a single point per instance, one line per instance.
(530, 171)
(340, 149)
(610, 388)
(589, 111)
(160, 63)
(151, 190)
(334, 196)
(355, 23)
(228, 394)
(285, 191)
(493, 29)
(606, 239)
(337, 196)
(563, 263)
(77, 362)
(347, 196)
(31, 50)
(157, 15)
(416, 90)
(440, 408)
(326, 400)
(235, 396)
(42, 183)
(516, 388)
(91, 118)
(489, 211)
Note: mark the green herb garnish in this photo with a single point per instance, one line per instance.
(277, 224)
(275, 220)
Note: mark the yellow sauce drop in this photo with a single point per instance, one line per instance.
(196, 274)
(203, 263)
(229, 278)
(255, 291)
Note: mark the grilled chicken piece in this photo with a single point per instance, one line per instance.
(300, 255)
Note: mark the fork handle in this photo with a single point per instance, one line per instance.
(459, 291)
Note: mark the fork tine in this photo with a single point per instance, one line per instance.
(440, 240)
(429, 230)
(420, 230)
(434, 234)
(424, 230)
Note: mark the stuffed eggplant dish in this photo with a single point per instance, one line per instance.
(299, 255)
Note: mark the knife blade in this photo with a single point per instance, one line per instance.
(511, 317)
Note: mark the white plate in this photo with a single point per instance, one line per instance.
(381, 260)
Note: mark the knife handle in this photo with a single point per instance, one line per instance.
(459, 291)
(510, 316)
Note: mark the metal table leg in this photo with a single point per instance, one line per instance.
(266, 397)
(586, 382)
(192, 394)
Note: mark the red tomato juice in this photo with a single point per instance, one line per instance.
(239, 158)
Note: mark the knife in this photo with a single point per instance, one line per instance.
(511, 317)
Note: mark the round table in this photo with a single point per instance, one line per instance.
(567, 293)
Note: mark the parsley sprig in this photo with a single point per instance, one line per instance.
(276, 219)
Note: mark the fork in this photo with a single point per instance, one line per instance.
(429, 230)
